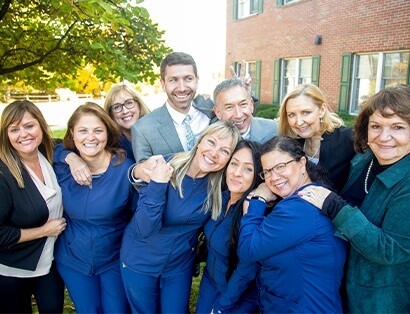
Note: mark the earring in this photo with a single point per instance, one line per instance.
(321, 120)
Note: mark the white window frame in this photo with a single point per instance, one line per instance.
(298, 77)
(354, 108)
(239, 72)
(244, 8)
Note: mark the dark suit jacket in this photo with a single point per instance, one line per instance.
(336, 152)
(155, 133)
(20, 208)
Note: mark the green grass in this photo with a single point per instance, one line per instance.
(69, 306)
(58, 133)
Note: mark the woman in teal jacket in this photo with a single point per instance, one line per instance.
(374, 213)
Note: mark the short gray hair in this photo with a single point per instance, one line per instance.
(228, 84)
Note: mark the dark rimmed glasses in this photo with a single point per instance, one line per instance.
(129, 104)
(279, 168)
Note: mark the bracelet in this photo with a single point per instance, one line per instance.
(257, 197)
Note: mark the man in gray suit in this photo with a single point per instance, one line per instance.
(234, 103)
(162, 131)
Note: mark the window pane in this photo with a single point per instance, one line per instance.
(252, 73)
(247, 7)
(395, 68)
(305, 71)
(365, 79)
(254, 6)
(290, 80)
(243, 8)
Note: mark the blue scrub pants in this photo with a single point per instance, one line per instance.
(103, 293)
(163, 294)
(208, 295)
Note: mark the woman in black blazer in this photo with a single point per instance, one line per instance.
(30, 213)
(305, 115)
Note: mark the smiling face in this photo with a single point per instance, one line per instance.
(235, 105)
(388, 137)
(304, 116)
(180, 85)
(212, 155)
(240, 173)
(89, 136)
(291, 179)
(127, 117)
(25, 136)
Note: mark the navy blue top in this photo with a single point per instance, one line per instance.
(162, 236)
(96, 217)
(301, 259)
(217, 234)
(127, 146)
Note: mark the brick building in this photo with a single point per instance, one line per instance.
(350, 49)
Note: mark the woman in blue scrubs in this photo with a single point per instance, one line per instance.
(228, 284)
(159, 244)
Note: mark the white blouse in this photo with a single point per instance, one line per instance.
(51, 193)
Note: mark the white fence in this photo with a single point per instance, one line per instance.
(46, 98)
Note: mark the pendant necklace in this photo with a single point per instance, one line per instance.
(317, 150)
(367, 176)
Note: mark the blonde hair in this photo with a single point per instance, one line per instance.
(331, 120)
(182, 161)
(126, 87)
(14, 113)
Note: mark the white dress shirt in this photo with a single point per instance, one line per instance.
(199, 122)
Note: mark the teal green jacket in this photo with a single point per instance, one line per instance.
(378, 273)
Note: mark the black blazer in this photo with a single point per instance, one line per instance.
(20, 209)
(336, 152)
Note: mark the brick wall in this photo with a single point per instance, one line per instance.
(289, 31)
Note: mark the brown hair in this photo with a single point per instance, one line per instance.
(113, 129)
(176, 58)
(390, 101)
(14, 113)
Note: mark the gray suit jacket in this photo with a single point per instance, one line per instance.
(262, 129)
(155, 134)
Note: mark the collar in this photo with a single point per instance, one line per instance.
(247, 134)
(177, 116)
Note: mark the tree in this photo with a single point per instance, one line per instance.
(43, 42)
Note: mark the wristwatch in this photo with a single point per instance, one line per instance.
(257, 197)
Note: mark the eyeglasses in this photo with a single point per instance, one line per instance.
(279, 168)
(117, 108)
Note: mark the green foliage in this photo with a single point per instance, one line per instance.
(267, 111)
(347, 118)
(42, 43)
(58, 133)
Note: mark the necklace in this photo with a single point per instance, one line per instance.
(101, 167)
(317, 150)
(367, 176)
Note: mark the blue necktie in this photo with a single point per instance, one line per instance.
(190, 137)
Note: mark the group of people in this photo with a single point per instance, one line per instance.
(299, 215)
